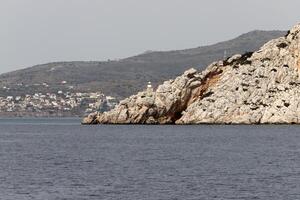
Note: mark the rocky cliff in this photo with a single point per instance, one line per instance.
(256, 87)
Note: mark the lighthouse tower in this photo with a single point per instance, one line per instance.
(149, 88)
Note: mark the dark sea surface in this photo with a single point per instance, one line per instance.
(60, 159)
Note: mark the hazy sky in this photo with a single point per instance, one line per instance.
(41, 31)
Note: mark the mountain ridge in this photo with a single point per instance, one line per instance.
(126, 76)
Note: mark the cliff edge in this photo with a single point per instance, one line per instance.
(253, 88)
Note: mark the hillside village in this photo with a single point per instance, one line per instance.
(59, 103)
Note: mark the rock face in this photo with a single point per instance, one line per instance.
(257, 87)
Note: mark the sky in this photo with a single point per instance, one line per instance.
(41, 31)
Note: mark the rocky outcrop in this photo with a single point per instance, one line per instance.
(258, 87)
(164, 106)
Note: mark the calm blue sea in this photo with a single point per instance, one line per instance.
(60, 159)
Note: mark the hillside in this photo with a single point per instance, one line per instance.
(260, 87)
(127, 76)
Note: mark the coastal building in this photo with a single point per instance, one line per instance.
(9, 98)
(49, 103)
(18, 98)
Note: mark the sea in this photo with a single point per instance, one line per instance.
(59, 159)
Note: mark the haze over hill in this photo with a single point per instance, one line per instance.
(124, 77)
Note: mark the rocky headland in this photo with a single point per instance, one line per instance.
(254, 88)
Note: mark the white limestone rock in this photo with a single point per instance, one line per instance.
(253, 88)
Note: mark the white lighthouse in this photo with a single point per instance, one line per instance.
(149, 88)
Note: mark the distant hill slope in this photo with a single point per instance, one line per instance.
(127, 76)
